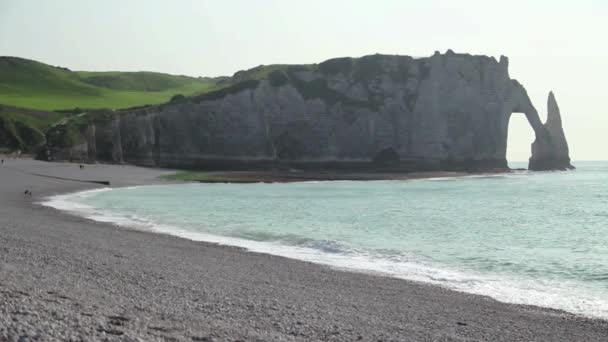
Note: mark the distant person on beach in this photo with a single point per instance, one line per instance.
(2, 161)
(27, 193)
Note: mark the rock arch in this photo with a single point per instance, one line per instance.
(549, 149)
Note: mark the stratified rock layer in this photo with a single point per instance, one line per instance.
(447, 112)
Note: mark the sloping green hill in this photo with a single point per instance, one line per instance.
(30, 84)
(137, 81)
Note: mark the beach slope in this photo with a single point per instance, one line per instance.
(68, 278)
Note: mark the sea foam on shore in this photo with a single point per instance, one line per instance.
(238, 215)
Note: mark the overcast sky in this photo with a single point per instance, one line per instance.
(552, 45)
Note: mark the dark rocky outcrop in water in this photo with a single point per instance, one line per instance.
(449, 111)
(550, 152)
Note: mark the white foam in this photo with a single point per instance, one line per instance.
(551, 294)
(456, 178)
(70, 202)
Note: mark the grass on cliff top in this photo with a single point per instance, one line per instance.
(30, 84)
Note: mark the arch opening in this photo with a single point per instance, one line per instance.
(520, 136)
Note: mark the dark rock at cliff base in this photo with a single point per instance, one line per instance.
(378, 112)
(550, 149)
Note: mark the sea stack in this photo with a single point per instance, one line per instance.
(550, 149)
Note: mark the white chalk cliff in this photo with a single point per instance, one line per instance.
(448, 111)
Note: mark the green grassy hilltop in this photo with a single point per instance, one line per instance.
(34, 96)
(30, 84)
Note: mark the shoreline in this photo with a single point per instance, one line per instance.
(409, 270)
(307, 176)
(218, 292)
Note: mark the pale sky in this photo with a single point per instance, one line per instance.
(552, 45)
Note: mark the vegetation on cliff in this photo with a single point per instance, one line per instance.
(36, 85)
(199, 176)
(24, 130)
(70, 131)
(38, 100)
(30, 84)
(379, 108)
(364, 70)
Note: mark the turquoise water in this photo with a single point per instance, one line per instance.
(530, 238)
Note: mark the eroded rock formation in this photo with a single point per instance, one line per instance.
(448, 111)
(550, 149)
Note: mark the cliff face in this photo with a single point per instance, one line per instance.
(446, 112)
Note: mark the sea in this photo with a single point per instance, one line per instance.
(537, 238)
